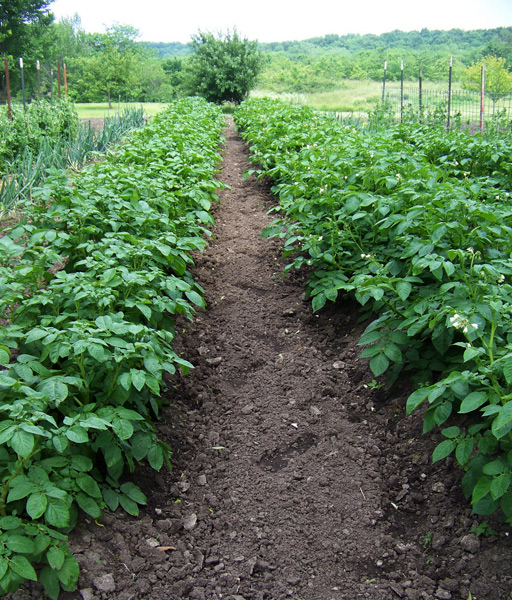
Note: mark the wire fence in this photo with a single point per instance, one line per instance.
(471, 108)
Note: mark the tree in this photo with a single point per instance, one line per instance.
(111, 68)
(498, 81)
(223, 69)
(16, 19)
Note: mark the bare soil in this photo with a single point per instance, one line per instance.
(294, 476)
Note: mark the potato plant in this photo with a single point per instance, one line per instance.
(92, 280)
(414, 222)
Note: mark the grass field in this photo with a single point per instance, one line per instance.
(352, 96)
(92, 110)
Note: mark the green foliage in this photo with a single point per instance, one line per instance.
(224, 68)
(87, 346)
(18, 19)
(57, 141)
(412, 221)
(28, 131)
(498, 80)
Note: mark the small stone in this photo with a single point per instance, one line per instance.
(197, 594)
(183, 486)
(443, 594)
(339, 364)
(152, 542)
(470, 543)
(87, 594)
(315, 411)
(214, 361)
(201, 480)
(248, 408)
(289, 312)
(190, 522)
(105, 583)
(439, 487)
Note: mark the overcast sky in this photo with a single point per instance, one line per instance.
(280, 20)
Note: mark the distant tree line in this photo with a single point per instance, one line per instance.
(112, 65)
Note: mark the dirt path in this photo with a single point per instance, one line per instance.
(293, 478)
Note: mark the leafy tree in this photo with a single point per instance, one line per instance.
(16, 19)
(110, 69)
(223, 69)
(498, 81)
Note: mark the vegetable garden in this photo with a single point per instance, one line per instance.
(409, 220)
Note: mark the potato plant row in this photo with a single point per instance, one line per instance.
(92, 280)
(415, 223)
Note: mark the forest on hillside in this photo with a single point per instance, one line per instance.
(116, 65)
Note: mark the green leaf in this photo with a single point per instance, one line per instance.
(379, 364)
(451, 432)
(369, 337)
(416, 398)
(481, 489)
(145, 310)
(56, 390)
(50, 581)
(87, 484)
(500, 485)
(507, 371)
(113, 455)
(129, 505)
(36, 505)
(55, 557)
(97, 352)
(122, 428)
(319, 301)
(4, 360)
(138, 379)
(393, 352)
(9, 523)
(463, 451)
(77, 434)
(443, 450)
(134, 492)
(4, 565)
(88, 505)
(20, 544)
(21, 566)
(57, 513)
(111, 498)
(20, 487)
(156, 457)
(68, 573)
(36, 334)
(403, 289)
(473, 401)
(195, 298)
(6, 381)
(503, 422)
(22, 443)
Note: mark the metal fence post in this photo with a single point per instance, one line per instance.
(384, 80)
(401, 91)
(420, 96)
(482, 96)
(38, 67)
(449, 92)
(58, 79)
(8, 86)
(23, 85)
